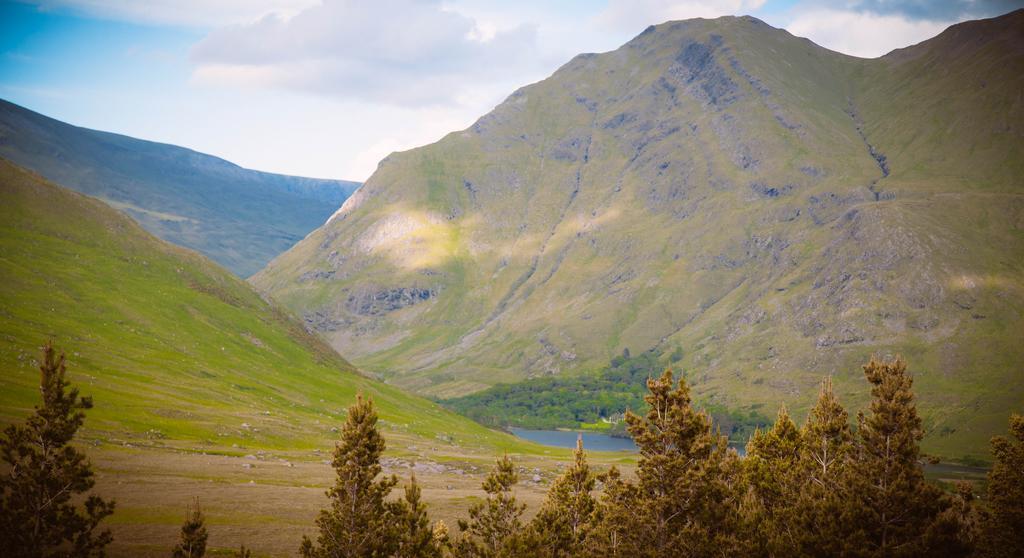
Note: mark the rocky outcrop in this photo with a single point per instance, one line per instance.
(387, 300)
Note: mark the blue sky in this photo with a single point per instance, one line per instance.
(327, 88)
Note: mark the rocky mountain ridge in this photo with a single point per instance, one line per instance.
(777, 210)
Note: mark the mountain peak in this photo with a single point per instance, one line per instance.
(963, 40)
(777, 210)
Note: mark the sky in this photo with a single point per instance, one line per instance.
(327, 88)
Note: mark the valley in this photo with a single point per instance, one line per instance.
(237, 217)
(201, 388)
(778, 288)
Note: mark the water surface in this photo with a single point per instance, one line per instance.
(596, 441)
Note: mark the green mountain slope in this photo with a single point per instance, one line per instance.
(175, 351)
(238, 217)
(778, 210)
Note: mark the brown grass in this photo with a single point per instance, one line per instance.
(268, 505)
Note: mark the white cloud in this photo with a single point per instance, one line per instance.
(635, 15)
(399, 52)
(190, 13)
(862, 34)
(329, 88)
(933, 10)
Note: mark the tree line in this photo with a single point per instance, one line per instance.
(569, 402)
(829, 487)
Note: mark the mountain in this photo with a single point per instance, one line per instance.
(775, 210)
(240, 218)
(175, 351)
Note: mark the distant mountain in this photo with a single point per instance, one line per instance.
(775, 210)
(175, 350)
(238, 217)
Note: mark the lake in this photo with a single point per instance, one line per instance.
(596, 441)
(567, 439)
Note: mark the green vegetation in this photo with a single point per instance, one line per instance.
(178, 352)
(237, 217)
(590, 401)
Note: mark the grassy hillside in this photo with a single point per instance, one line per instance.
(174, 350)
(201, 388)
(778, 210)
(238, 217)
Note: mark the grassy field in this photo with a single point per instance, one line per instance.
(201, 388)
(270, 500)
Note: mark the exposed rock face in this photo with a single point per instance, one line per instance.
(387, 300)
(778, 210)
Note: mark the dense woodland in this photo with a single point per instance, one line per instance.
(831, 487)
(576, 401)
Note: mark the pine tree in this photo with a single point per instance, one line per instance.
(771, 457)
(559, 529)
(827, 439)
(956, 529)
(1004, 532)
(826, 453)
(686, 498)
(43, 473)
(492, 525)
(192, 543)
(415, 535)
(359, 523)
(769, 470)
(615, 515)
(893, 509)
